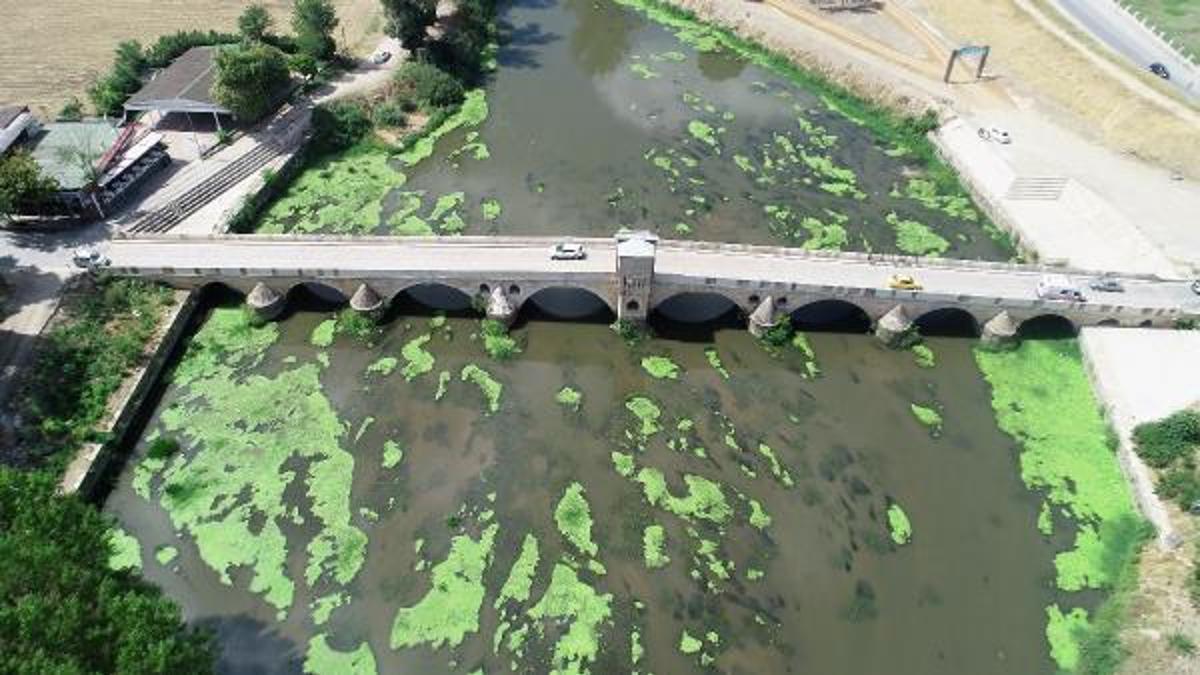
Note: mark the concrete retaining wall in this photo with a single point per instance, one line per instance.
(84, 473)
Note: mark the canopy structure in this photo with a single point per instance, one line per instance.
(14, 120)
(185, 86)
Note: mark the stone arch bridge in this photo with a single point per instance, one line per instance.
(635, 273)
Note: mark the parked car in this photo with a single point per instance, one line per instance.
(1160, 70)
(1107, 284)
(567, 251)
(1059, 287)
(1196, 287)
(381, 56)
(88, 258)
(995, 134)
(904, 282)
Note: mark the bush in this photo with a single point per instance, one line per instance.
(1180, 485)
(778, 335)
(339, 125)
(389, 114)
(72, 111)
(496, 340)
(1163, 442)
(427, 85)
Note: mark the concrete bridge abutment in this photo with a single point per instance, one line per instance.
(368, 303)
(635, 274)
(499, 308)
(266, 302)
(895, 328)
(763, 318)
(1000, 332)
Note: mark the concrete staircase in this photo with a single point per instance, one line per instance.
(1037, 188)
(194, 198)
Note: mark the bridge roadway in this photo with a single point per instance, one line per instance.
(746, 275)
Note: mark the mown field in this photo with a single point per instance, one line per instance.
(53, 49)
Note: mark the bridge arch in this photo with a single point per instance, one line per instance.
(831, 315)
(561, 303)
(1047, 326)
(430, 297)
(948, 322)
(696, 307)
(315, 294)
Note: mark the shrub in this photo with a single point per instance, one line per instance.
(1180, 484)
(427, 85)
(1173, 438)
(496, 340)
(339, 125)
(388, 114)
(72, 111)
(778, 335)
(1181, 643)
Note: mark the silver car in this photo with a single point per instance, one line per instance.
(89, 258)
(567, 251)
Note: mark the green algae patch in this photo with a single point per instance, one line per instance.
(923, 356)
(636, 651)
(491, 388)
(418, 360)
(916, 238)
(1062, 632)
(322, 335)
(236, 475)
(899, 525)
(126, 551)
(520, 578)
(781, 474)
(574, 519)
(714, 360)
(472, 113)
(704, 132)
(491, 208)
(450, 610)
(1045, 521)
(570, 398)
(338, 194)
(165, 555)
(323, 607)
(392, 454)
(704, 499)
(647, 412)
(444, 378)
(496, 340)
(623, 463)
(574, 602)
(689, 645)
(759, 517)
(1042, 398)
(383, 366)
(654, 547)
(661, 367)
(953, 205)
(643, 71)
(321, 659)
(928, 417)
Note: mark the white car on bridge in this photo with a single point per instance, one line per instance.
(567, 251)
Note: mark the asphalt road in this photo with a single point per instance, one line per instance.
(383, 258)
(1124, 35)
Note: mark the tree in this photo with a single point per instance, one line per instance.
(248, 78)
(427, 85)
(22, 183)
(255, 23)
(408, 19)
(314, 21)
(62, 609)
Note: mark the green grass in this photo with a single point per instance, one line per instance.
(1178, 19)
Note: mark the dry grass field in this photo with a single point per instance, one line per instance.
(51, 50)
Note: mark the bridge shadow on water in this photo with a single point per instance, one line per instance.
(1047, 327)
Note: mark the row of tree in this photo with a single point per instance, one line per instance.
(463, 47)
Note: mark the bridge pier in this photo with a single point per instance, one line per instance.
(763, 318)
(894, 328)
(1000, 332)
(266, 303)
(635, 274)
(499, 308)
(367, 302)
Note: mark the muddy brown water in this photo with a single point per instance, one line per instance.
(966, 595)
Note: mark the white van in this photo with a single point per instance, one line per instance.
(1059, 287)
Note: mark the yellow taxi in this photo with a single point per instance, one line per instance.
(903, 282)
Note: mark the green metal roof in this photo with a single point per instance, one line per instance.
(64, 150)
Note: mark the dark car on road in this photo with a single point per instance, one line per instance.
(1160, 70)
(1107, 284)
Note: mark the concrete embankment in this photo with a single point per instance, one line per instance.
(84, 472)
(1141, 376)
